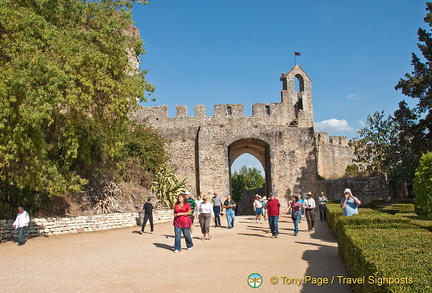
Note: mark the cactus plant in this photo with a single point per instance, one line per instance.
(167, 185)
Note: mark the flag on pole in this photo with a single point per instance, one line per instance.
(296, 53)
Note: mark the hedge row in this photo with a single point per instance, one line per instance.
(387, 252)
(407, 210)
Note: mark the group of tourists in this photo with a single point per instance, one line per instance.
(186, 208)
(349, 205)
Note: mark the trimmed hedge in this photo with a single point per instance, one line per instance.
(387, 252)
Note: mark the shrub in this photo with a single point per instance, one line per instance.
(423, 186)
(383, 248)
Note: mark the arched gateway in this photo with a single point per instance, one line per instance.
(280, 135)
(257, 148)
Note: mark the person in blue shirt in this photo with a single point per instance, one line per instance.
(349, 203)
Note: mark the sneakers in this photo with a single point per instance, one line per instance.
(152, 232)
(190, 248)
(141, 232)
(276, 236)
(295, 234)
(175, 251)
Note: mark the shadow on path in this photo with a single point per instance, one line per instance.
(321, 278)
(163, 246)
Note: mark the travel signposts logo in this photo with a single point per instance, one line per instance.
(254, 280)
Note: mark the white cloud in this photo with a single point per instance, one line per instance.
(333, 125)
(353, 97)
(362, 123)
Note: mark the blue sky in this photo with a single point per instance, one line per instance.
(216, 52)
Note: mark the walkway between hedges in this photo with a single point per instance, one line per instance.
(124, 261)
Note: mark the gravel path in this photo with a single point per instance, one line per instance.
(123, 260)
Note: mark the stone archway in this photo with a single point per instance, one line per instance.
(257, 148)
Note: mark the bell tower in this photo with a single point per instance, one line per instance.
(296, 95)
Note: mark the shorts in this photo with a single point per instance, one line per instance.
(259, 211)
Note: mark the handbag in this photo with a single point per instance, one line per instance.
(294, 215)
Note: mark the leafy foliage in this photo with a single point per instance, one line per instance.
(352, 170)
(167, 185)
(379, 150)
(423, 186)
(66, 88)
(245, 179)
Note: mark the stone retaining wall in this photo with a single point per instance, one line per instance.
(67, 225)
(367, 189)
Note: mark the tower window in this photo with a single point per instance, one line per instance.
(299, 83)
(267, 110)
(229, 111)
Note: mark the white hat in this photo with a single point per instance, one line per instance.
(347, 190)
(186, 192)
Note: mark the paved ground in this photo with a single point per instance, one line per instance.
(124, 261)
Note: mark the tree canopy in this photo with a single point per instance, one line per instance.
(246, 178)
(67, 87)
(379, 151)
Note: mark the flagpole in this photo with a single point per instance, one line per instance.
(295, 59)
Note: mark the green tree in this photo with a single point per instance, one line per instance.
(423, 186)
(378, 151)
(66, 88)
(416, 124)
(245, 179)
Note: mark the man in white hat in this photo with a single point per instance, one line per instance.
(349, 203)
(258, 208)
(309, 206)
(322, 206)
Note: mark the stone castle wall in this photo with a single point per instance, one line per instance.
(68, 225)
(281, 136)
(198, 147)
(366, 189)
(334, 154)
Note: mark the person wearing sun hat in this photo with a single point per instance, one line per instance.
(322, 206)
(349, 203)
(258, 208)
(309, 206)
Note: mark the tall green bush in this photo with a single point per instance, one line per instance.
(423, 186)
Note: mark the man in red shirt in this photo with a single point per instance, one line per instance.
(273, 206)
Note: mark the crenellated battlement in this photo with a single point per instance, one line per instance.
(322, 138)
(203, 146)
(295, 108)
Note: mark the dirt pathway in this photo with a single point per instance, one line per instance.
(124, 261)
